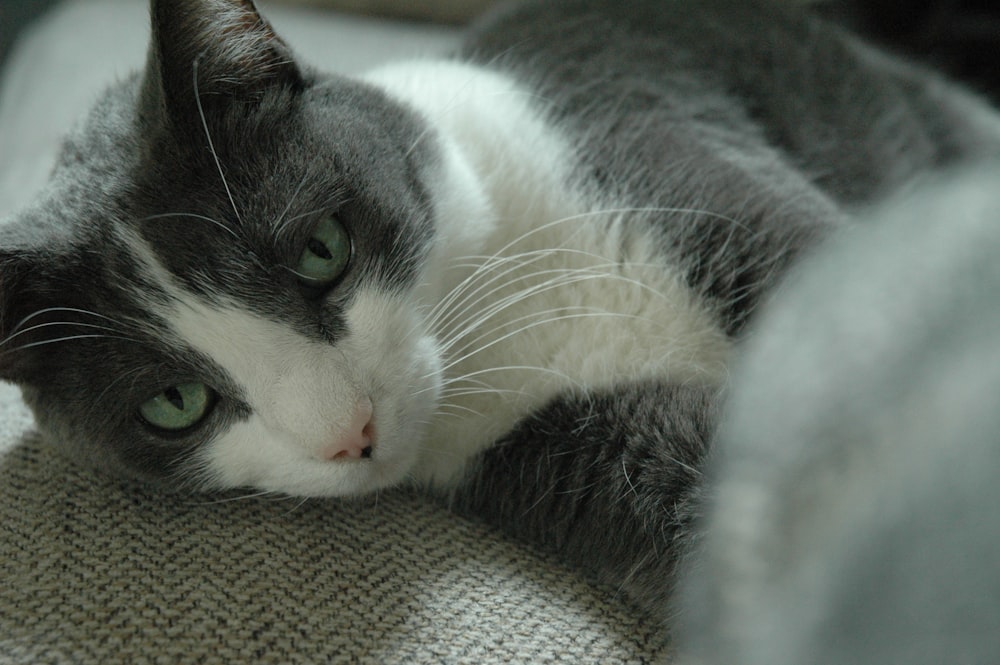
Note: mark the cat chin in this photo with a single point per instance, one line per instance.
(317, 479)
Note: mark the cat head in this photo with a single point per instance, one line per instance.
(225, 281)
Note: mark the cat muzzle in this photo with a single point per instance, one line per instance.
(359, 440)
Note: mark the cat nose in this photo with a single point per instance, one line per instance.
(358, 440)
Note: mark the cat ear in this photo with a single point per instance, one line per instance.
(210, 53)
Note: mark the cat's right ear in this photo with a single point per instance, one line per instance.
(207, 55)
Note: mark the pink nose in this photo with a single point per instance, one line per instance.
(359, 438)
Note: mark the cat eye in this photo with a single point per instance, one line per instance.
(178, 407)
(326, 254)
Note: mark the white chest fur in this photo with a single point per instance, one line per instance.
(546, 287)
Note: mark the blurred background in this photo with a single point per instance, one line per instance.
(14, 16)
(959, 36)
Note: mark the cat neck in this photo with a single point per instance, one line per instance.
(537, 279)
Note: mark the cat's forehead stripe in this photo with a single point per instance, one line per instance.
(285, 377)
(222, 332)
(206, 328)
(151, 266)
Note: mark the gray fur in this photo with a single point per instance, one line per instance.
(853, 515)
(744, 131)
(755, 111)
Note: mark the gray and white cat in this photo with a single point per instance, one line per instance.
(514, 277)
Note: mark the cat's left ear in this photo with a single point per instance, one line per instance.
(208, 54)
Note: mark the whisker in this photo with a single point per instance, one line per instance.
(68, 339)
(449, 308)
(535, 255)
(203, 218)
(297, 273)
(291, 202)
(501, 257)
(533, 368)
(233, 499)
(298, 504)
(480, 349)
(456, 392)
(208, 136)
(621, 211)
(558, 277)
(441, 410)
(481, 270)
(445, 383)
(54, 323)
(566, 277)
(498, 307)
(134, 374)
(582, 311)
(628, 479)
(73, 310)
(280, 231)
(448, 382)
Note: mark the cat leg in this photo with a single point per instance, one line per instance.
(609, 479)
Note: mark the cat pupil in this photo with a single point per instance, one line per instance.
(318, 248)
(174, 396)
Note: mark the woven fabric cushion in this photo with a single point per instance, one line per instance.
(93, 571)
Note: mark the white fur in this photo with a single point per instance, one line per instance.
(304, 394)
(621, 314)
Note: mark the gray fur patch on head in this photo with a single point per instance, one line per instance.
(174, 188)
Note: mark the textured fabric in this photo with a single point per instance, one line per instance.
(96, 572)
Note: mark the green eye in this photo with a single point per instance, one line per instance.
(326, 254)
(178, 407)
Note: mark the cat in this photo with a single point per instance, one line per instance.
(514, 277)
(854, 480)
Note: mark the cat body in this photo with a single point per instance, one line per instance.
(514, 277)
